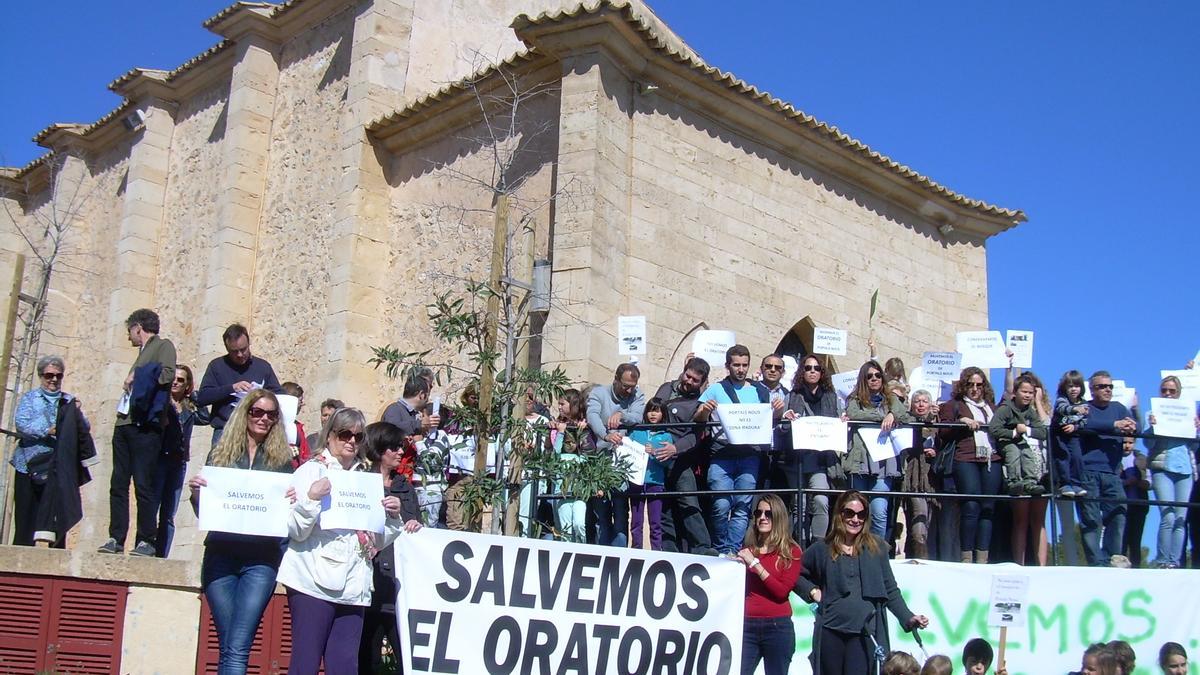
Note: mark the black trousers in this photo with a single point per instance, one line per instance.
(135, 455)
(1135, 524)
(845, 654)
(27, 498)
(683, 526)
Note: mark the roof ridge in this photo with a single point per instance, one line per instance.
(692, 60)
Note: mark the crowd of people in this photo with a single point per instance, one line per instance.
(831, 549)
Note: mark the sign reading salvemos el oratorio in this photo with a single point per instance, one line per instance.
(473, 603)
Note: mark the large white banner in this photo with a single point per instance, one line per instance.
(474, 603)
(1068, 609)
(244, 502)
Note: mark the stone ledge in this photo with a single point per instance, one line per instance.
(181, 574)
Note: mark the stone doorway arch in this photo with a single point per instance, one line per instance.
(797, 343)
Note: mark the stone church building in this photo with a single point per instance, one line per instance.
(324, 170)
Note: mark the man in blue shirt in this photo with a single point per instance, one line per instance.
(1102, 520)
(228, 378)
(733, 467)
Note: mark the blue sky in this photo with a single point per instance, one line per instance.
(1082, 114)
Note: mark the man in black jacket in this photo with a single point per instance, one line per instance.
(683, 524)
(228, 378)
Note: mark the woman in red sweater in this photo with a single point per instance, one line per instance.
(772, 561)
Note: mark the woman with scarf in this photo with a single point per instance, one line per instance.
(390, 454)
(45, 499)
(872, 402)
(976, 463)
(328, 572)
(813, 394)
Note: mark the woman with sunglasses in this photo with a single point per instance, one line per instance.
(976, 463)
(327, 572)
(46, 500)
(849, 577)
(871, 402)
(772, 561)
(238, 572)
(177, 450)
(1172, 476)
(812, 394)
(388, 453)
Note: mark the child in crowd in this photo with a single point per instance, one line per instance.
(901, 663)
(1069, 413)
(977, 658)
(656, 474)
(1125, 656)
(1099, 659)
(938, 664)
(1014, 424)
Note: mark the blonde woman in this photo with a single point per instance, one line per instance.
(238, 572)
(772, 561)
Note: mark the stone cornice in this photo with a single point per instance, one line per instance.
(599, 25)
(274, 22)
(454, 105)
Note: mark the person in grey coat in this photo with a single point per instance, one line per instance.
(849, 577)
(608, 408)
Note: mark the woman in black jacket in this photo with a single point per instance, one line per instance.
(812, 394)
(385, 450)
(850, 577)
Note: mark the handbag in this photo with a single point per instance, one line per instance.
(943, 461)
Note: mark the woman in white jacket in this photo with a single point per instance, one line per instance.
(328, 572)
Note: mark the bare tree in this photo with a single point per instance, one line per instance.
(515, 141)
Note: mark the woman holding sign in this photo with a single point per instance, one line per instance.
(772, 561)
(1171, 466)
(327, 571)
(812, 394)
(871, 402)
(238, 573)
(849, 577)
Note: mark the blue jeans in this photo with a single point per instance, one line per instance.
(168, 484)
(772, 641)
(612, 519)
(731, 513)
(975, 515)
(879, 505)
(238, 591)
(1172, 487)
(1102, 523)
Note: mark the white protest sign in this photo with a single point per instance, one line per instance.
(1020, 343)
(1009, 602)
(477, 603)
(1174, 417)
(918, 380)
(245, 502)
(355, 502)
(882, 447)
(1190, 379)
(943, 366)
(843, 383)
(982, 348)
(819, 433)
(830, 341)
(711, 345)
(637, 456)
(747, 423)
(1123, 393)
(462, 455)
(631, 335)
(790, 366)
(288, 407)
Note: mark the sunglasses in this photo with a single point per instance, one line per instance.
(812, 369)
(974, 385)
(52, 376)
(257, 413)
(181, 380)
(874, 376)
(1102, 386)
(771, 366)
(759, 513)
(1169, 391)
(345, 435)
(851, 514)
